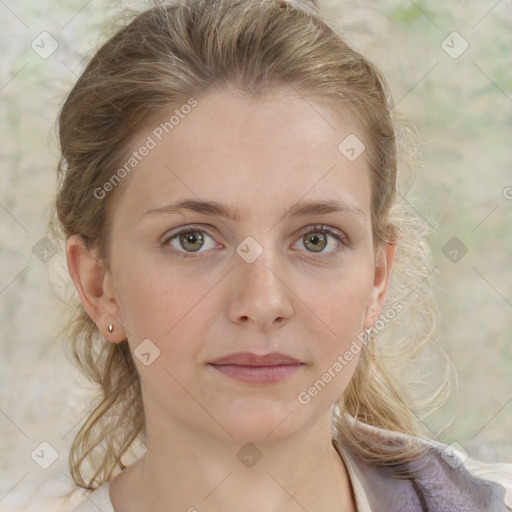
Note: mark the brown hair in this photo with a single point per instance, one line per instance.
(156, 61)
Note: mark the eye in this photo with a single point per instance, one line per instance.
(190, 238)
(316, 239)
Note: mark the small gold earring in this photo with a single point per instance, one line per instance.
(110, 328)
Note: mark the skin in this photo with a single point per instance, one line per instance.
(262, 156)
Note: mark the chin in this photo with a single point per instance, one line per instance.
(261, 421)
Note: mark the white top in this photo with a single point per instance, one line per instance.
(99, 500)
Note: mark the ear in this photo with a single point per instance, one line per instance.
(95, 288)
(384, 264)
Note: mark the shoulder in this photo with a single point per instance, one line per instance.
(443, 476)
(496, 476)
(97, 500)
(500, 473)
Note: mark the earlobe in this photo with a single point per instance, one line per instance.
(93, 284)
(383, 266)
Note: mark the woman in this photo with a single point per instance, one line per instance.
(229, 203)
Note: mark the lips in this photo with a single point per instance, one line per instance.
(250, 359)
(254, 369)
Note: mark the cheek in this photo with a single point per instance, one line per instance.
(164, 304)
(341, 306)
(341, 302)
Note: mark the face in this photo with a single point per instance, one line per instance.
(200, 284)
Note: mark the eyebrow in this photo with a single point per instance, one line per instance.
(218, 209)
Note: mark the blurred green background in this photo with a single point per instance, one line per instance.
(461, 106)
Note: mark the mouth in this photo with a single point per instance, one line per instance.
(255, 369)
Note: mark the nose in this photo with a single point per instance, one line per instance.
(260, 295)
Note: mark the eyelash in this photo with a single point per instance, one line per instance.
(317, 228)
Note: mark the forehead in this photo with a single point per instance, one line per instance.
(250, 149)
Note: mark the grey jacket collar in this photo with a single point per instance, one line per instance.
(436, 484)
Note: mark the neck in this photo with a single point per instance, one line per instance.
(190, 471)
